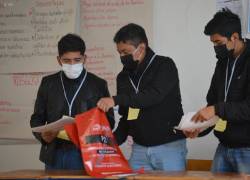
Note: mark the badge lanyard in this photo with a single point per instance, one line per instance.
(228, 82)
(137, 87)
(72, 101)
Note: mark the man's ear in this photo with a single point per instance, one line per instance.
(58, 60)
(84, 58)
(235, 37)
(142, 47)
(139, 55)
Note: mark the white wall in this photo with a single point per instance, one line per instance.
(13, 157)
(178, 33)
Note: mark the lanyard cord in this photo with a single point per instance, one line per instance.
(228, 82)
(71, 103)
(136, 88)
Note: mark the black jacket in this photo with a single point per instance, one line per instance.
(51, 105)
(236, 110)
(159, 101)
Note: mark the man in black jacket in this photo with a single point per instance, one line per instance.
(149, 100)
(68, 92)
(229, 94)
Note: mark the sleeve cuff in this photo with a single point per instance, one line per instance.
(219, 109)
(115, 100)
(216, 109)
(118, 100)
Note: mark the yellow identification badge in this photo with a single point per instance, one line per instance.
(133, 113)
(221, 125)
(63, 135)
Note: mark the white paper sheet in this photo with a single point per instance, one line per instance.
(187, 124)
(55, 126)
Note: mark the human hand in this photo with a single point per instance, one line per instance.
(204, 114)
(191, 133)
(106, 103)
(49, 136)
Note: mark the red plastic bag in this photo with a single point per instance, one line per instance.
(71, 130)
(101, 154)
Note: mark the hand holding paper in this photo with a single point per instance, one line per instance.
(186, 122)
(192, 133)
(54, 126)
(49, 136)
(204, 114)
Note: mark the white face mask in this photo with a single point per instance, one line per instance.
(72, 71)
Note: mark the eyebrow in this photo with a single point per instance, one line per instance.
(123, 51)
(72, 59)
(217, 41)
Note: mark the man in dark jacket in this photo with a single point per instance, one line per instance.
(229, 94)
(68, 92)
(149, 100)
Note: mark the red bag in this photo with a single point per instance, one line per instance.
(101, 154)
(71, 130)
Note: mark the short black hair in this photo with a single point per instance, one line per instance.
(131, 33)
(71, 43)
(224, 23)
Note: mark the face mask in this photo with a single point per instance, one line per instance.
(222, 52)
(128, 62)
(72, 71)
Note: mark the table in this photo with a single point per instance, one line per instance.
(188, 175)
(150, 175)
(47, 175)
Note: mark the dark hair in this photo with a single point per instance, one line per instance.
(131, 33)
(224, 23)
(71, 43)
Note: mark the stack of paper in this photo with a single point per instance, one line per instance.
(54, 126)
(186, 122)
